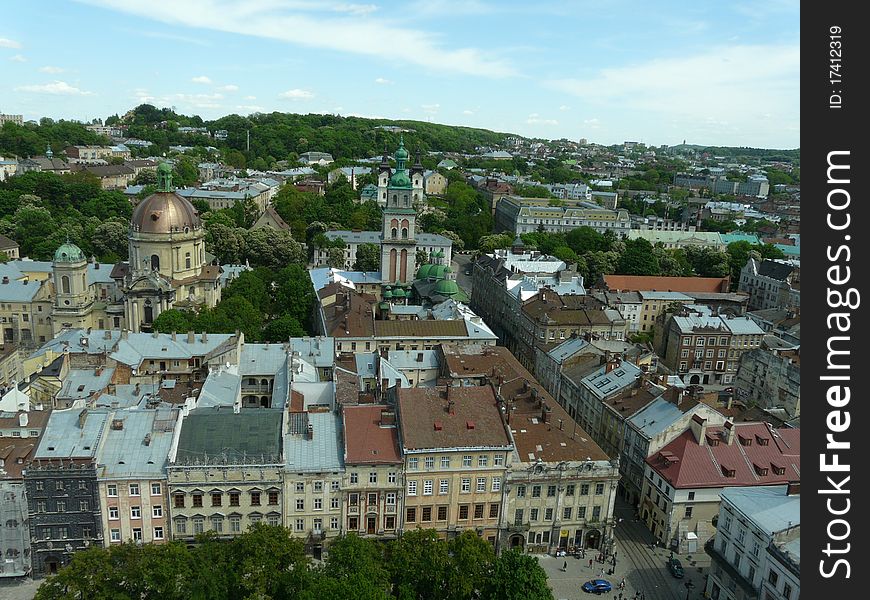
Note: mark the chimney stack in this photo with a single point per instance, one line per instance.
(191, 337)
(699, 429)
(794, 488)
(204, 337)
(729, 432)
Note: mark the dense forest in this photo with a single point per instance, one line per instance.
(266, 562)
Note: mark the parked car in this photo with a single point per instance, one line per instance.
(675, 567)
(597, 586)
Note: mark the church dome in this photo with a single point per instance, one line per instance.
(446, 287)
(423, 271)
(401, 153)
(388, 293)
(400, 179)
(69, 252)
(164, 212)
(399, 293)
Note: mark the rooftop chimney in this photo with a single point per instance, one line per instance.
(794, 488)
(173, 336)
(191, 337)
(204, 337)
(83, 416)
(699, 429)
(729, 432)
(310, 431)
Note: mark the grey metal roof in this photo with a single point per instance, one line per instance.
(222, 387)
(567, 349)
(324, 451)
(72, 433)
(407, 359)
(140, 448)
(81, 383)
(602, 384)
(218, 435)
(655, 417)
(322, 277)
(766, 506)
(261, 359)
(742, 326)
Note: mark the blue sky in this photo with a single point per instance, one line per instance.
(716, 73)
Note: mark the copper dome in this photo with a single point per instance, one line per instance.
(164, 212)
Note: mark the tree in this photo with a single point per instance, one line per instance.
(260, 557)
(272, 248)
(368, 257)
(489, 243)
(638, 259)
(471, 559)
(360, 563)
(418, 564)
(250, 286)
(458, 243)
(585, 239)
(421, 257)
(295, 293)
(708, 262)
(282, 329)
(228, 244)
(335, 257)
(173, 320)
(516, 576)
(110, 240)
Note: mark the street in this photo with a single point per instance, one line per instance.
(19, 589)
(461, 264)
(644, 569)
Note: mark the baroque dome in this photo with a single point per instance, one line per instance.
(164, 212)
(69, 252)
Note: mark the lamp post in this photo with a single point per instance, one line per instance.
(689, 587)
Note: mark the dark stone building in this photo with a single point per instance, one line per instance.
(61, 482)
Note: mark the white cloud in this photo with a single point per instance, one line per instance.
(592, 123)
(198, 100)
(535, 119)
(430, 108)
(56, 88)
(53, 70)
(7, 43)
(467, 112)
(382, 81)
(250, 97)
(17, 58)
(296, 94)
(327, 25)
(739, 84)
(201, 79)
(229, 88)
(564, 107)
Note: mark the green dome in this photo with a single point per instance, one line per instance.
(399, 293)
(69, 252)
(423, 271)
(388, 293)
(164, 167)
(400, 179)
(401, 153)
(438, 272)
(446, 287)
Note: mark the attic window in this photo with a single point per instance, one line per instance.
(469, 424)
(745, 441)
(760, 470)
(438, 425)
(51, 448)
(712, 441)
(81, 388)
(762, 441)
(778, 470)
(728, 472)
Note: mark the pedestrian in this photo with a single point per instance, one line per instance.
(565, 566)
(614, 554)
(590, 563)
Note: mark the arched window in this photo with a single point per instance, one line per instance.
(404, 233)
(155, 262)
(64, 284)
(416, 197)
(406, 200)
(395, 199)
(187, 260)
(394, 232)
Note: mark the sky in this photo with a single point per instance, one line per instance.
(711, 73)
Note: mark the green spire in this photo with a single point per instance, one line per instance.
(164, 178)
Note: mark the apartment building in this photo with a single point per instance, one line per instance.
(225, 472)
(374, 485)
(755, 554)
(131, 475)
(456, 451)
(516, 216)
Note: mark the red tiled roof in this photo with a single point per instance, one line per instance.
(641, 283)
(685, 464)
(366, 442)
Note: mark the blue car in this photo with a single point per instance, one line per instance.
(597, 586)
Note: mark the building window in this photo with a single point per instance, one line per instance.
(134, 489)
(410, 516)
(217, 523)
(155, 489)
(426, 514)
(234, 498)
(493, 511)
(255, 498)
(391, 477)
(273, 498)
(584, 489)
(466, 460)
(235, 524)
(551, 491)
(599, 489)
(115, 535)
(496, 484)
(482, 460)
(334, 486)
(197, 500)
(786, 591)
(178, 501)
(466, 485)
(581, 512)
(430, 462)
(412, 488)
(533, 514)
(442, 513)
(443, 486)
(216, 499)
(688, 514)
(300, 504)
(318, 504)
(566, 514)
(478, 511)
(498, 460)
(445, 462)
(84, 506)
(521, 491)
(157, 511)
(548, 514)
(113, 513)
(463, 512)
(158, 533)
(481, 484)
(773, 578)
(135, 512)
(412, 464)
(111, 489)
(536, 491)
(596, 513)
(198, 525)
(518, 516)
(373, 477)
